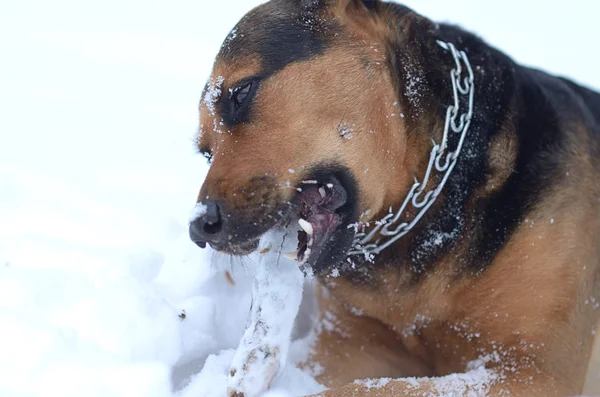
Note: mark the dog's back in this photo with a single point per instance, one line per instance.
(591, 100)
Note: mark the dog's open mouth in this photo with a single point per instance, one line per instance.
(318, 218)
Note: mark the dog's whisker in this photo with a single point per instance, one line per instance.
(214, 260)
(248, 262)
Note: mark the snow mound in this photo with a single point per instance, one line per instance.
(86, 312)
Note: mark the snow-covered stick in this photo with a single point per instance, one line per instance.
(276, 295)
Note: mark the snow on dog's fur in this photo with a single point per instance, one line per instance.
(323, 112)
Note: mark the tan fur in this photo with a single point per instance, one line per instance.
(502, 154)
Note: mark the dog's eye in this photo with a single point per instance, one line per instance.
(235, 109)
(240, 94)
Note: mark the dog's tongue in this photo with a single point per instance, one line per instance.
(327, 197)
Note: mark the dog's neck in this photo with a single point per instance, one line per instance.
(442, 161)
(424, 89)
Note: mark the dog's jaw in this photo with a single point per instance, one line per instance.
(318, 218)
(324, 207)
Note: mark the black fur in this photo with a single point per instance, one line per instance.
(276, 35)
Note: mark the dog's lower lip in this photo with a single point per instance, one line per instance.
(239, 250)
(216, 247)
(200, 244)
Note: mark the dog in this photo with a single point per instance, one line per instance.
(449, 198)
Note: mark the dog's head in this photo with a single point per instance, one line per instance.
(302, 122)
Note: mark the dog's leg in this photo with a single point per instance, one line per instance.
(478, 383)
(350, 346)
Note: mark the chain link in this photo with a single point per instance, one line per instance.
(441, 160)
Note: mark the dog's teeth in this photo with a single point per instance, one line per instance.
(307, 253)
(305, 257)
(322, 192)
(291, 255)
(306, 226)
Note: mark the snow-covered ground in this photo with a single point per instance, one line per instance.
(101, 293)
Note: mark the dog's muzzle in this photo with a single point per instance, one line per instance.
(317, 216)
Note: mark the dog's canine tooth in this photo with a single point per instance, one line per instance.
(322, 192)
(307, 254)
(291, 255)
(306, 226)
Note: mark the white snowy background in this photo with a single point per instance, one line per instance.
(98, 109)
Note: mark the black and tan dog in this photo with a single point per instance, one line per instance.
(328, 111)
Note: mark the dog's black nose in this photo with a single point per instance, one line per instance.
(208, 228)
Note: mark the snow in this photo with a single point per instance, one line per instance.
(261, 356)
(198, 211)
(345, 130)
(212, 381)
(373, 383)
(101, 291)
(213, 93)
(474, 383)
(414, 87)
(127, 323)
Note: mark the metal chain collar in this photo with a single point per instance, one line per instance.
(442, 159)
